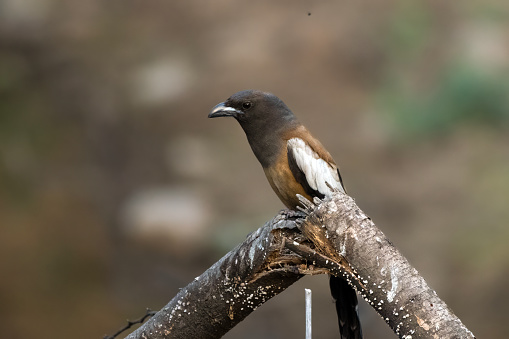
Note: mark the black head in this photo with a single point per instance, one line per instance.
(256, 111)
(263, 117)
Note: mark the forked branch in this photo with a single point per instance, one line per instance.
(335, 237)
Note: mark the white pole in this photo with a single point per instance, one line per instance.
(308, 312)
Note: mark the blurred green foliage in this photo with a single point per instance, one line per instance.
(423, 98)
(462, 94)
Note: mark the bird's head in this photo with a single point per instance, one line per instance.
(256, 111)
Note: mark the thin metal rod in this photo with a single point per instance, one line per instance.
(308, 312)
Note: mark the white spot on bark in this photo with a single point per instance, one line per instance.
(394, 284)
(252, 252)
(354, 234)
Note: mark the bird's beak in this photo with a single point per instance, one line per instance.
(220, 110)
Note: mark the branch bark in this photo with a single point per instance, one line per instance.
(246, 277)
(336, 238)
(380, 273)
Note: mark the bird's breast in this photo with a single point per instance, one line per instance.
(283, 182)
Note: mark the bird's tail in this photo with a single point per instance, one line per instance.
(346, 308)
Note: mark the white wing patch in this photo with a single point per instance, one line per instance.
(316, 170)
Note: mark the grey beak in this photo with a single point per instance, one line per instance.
(220, 110)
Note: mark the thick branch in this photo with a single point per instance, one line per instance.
(380, 273)
(336, 237)
(231, 289)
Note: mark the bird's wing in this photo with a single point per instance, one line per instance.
(310, 170)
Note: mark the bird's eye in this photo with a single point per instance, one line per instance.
(246, 105)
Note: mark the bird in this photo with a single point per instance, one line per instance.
(294, 163)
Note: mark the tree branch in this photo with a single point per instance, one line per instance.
(232, 288)
(379, 272)
(337, 238)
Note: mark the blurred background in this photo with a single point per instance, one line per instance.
(116, 190)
